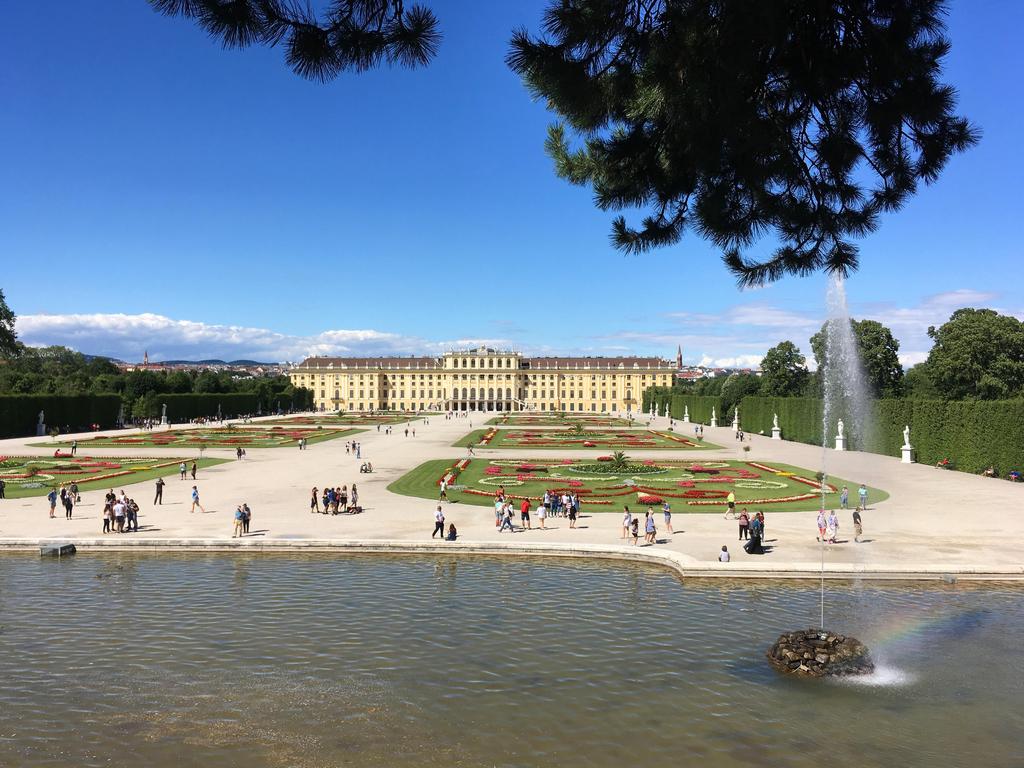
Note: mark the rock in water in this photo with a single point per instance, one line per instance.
(819, 653)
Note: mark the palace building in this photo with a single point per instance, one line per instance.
(481, 380)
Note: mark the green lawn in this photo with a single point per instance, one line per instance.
(346, 419)
(688, 486)
(219, 437)
(601, 439)
(562, 420)
(90, 473)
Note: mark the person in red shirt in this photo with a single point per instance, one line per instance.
(524, 510)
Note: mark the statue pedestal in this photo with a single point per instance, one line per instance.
(714, 422)
(908, 454)
(776, 433)
(163, 421)
(840, 443)
(686, 418)
(40, 430)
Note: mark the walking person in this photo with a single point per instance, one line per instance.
(75, 493)
(74, 447)
(858, 529)
(634, 529)
(194, 469)
(744, 521)
(666, 510)
(182, 469)
(354, 499)
(822, 525)
(195, 501)
(314, 502)
(650, 532)
(239, 517)
(832, 527)
(542, 515)
(506, 519)
(627, 521)
(844, 498)
(69, 504)
(862, 492)
(524, 513)
(132, 516)
(438, 522)
(52, 498)
(159, 498)
(573, 506)
(444, 491)
(246, 518)
(108, 516)
(3, 489)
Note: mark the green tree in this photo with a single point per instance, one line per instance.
(9, 346)
(208, 381)
(735, 387)
(978, 353)
(784, 371)
(879, 356)
(797, 120)
(146, 406)
(351, 35)
(918, 383)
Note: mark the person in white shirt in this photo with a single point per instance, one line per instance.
(627, 521)
(723, 556)
(438, 522)
(542, 513)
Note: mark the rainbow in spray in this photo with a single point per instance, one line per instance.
(902, 629)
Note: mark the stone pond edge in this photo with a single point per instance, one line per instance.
(683, 565)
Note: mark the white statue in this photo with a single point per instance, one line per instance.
(41, 417)
(713, 417)
(906, 435)
(840, 425)
(775, 421)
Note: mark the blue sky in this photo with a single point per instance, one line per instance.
(161, 193)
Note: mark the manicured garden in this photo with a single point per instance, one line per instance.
(36, 475)
(558, 420)
(581, 436)
(344, 419)
(232, 436)
(608, 482)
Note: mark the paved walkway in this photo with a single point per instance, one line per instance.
(934, 521)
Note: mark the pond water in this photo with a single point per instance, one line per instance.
(281, 660)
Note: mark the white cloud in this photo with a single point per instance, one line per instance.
(736, 337)
(128, 336)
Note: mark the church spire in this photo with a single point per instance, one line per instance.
(145, 357)
(679, 357)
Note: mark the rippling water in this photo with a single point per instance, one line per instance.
(273, 660)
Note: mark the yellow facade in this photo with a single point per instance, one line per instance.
(481, 380)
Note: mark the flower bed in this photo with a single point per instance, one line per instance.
(689, 485)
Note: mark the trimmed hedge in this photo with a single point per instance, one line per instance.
(973, 434)
(19, 414)
(187, 406)
(700, 408)
(659, 396)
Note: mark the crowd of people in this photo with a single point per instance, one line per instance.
(335, 500)
(120, 514)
